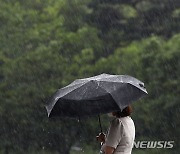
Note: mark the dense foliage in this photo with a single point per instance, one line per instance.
(46, 44)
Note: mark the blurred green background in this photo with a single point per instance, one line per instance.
(46, 44)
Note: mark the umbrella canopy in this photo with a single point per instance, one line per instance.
(95, 95)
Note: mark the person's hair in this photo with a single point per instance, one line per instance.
(125, 112)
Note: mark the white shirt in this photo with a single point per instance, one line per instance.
(121, 135)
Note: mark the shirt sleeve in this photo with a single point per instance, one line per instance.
(114, 134)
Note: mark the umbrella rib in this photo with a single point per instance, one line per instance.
(76, 88)
(81, 84)
(108, 93)
(127, 83)
(49, 110)
(124, 83)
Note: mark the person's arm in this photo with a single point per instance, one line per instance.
(113, 137)
(109, 150)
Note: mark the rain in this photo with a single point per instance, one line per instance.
(51, 47)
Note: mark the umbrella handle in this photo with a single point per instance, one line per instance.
(100, 123)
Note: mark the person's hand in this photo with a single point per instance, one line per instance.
(101, 137)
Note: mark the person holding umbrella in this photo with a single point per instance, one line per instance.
(121, 134)
(98, 95)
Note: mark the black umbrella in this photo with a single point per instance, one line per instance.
(95, 95)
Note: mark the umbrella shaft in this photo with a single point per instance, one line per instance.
(100, 123)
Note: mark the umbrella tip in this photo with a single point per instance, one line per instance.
(141, 85)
